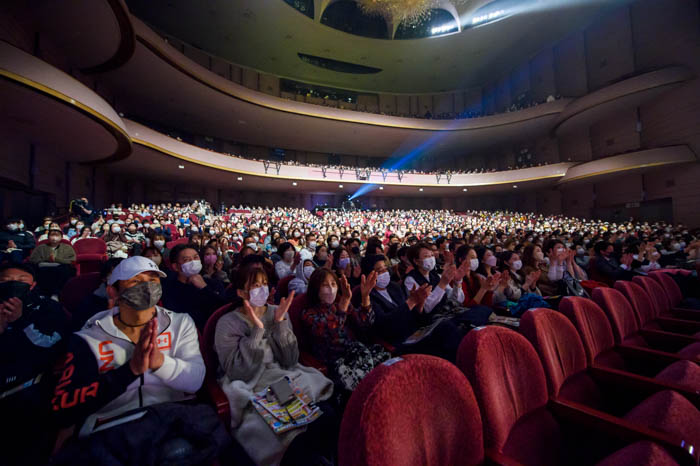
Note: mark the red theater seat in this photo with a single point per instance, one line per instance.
(303, 339)
(211, 388)
(413, 410)
(648, 314)
(282, 289)
(77, 288)
(172, 244)
(661, 302)
(674, 296)
(597, 338)
(627, 332)
(90, 254)
(521, 423)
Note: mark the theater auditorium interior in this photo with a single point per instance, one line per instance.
(350, 232)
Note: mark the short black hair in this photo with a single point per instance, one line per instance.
(175, 252)
(24, 267)
(109, 265)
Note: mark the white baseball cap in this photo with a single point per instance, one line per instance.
(133, 266)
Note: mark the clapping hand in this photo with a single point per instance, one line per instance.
(10, 311)
(447, 276)
(283, 307)
(449, 257)
(532, 278)
(368, 283)
(250, 312)
(345, 294)
(627, 259)
(418, 296)
(462, 271)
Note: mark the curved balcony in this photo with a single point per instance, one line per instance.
(633, 162)
(627, 94)
(49, 107)
(160, 157)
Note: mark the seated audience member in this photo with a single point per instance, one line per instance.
(303, 272)
(444, 287)
(134, 238)
(158, 241)
(43, 227)
(321, 256)
(71, 229)
(84, 232)
(212, 268)
(477, 289)
(342, 265)
(15, 242)
(286, 265)
(256, 347)
(188, 291)
(127, 373)
(152, 252)
(55, 261)
(117, 244)
(608, 266)
(328, 318)
(96, 301)
(54, 226)
(32, 336)
(513, 282)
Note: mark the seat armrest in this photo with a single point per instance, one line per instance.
(666, 340)
(685, 313)
(494, 457)
(219, 400)
(681, 326)
(642, 353)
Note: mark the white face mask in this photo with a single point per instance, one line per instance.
(473, 264)
(116, 230)
(159, 243)
(383, 280)
(191, 268)
(308, 270)
(334, 244)
(429, 263)
(156, 259)
(259, 295)
(327, 295)
(288, 255)
(253, 246)
(312, 245)
(517, 265)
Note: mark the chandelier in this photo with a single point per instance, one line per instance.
(411, 12)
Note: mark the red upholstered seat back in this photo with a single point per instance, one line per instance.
(172, 244)
(591, 323)
(673, 291)
(295, 311)
(655, 292)
(419, 410)
(206, 344)
(283, 286)
(77, 288)
(510, 386)
(640, 301)
(619, 312)
(556, 341)
(90, 246)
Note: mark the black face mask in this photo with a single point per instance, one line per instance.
(355, 250)
(14, 289)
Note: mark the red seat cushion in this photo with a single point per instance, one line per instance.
(668, 411)
(639, 453)
(691, 351)
(380, 423)
(509, 383)
(90, 246)
(681, 372)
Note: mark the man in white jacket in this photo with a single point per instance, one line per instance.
(134, 355)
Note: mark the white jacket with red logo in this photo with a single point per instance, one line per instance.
(96, 381)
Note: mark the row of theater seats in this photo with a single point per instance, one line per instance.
(602, 380)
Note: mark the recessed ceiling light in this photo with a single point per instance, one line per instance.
(240, 178)
(465, 190)
(515, 185)
(181, 167)
(381, 188)
(294, 183)
(421, 189)
(340, 185)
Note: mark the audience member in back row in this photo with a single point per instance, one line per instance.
(32, 336)
(126, 373)
(15, 242)
(256, 347)
(55, 261)
(188, 291)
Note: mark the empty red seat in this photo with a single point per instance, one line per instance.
(521, 424)
(77, 289)
(413, 410)
(570, 380)
(673, 291)
(626, 327)
(647, 311)
(598, 342)
(172, 244)
(90, 253)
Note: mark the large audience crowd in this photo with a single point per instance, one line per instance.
(315, 301)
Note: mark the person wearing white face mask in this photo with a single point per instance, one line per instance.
(302, 273)
(188, 291)
(257, 347)
(285, 266)
(517, 284)
(447, 285)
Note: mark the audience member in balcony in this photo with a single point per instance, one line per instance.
(286, 265)
(302, 273)
(15, 242)
(153, 365)
(188, 291)
(98, 300)
(256, 347)
(55, 261)
(607, 264)
(32, 336)
(329, 318)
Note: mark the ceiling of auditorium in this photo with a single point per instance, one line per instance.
(268, 35)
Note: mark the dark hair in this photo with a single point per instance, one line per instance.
(504, 257)
(177, 250)
(528, 255)
(109, 265)
(462, 253)
(24, 267)
(282, 248)
(368, 262)
(336, 255)
(601, 246)
(549, 245)
(414, 252)
(314, 286)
